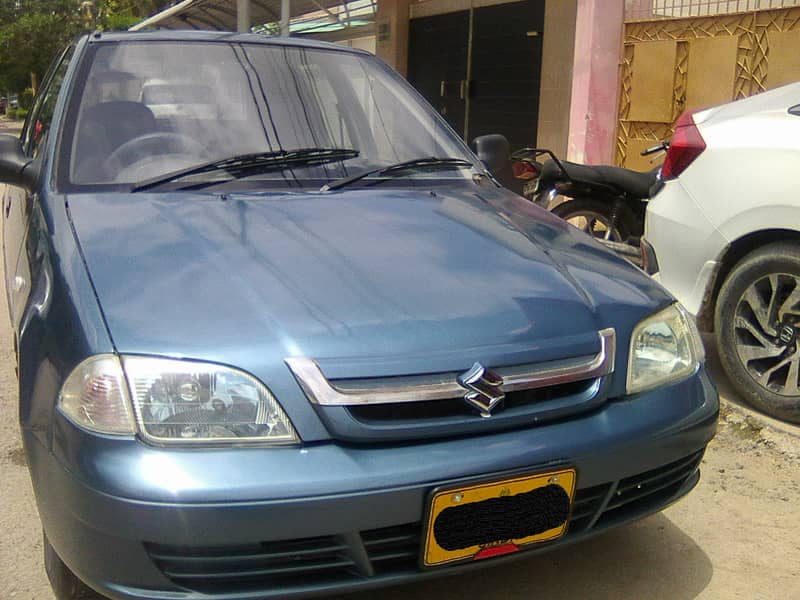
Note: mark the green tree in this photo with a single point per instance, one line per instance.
(32, 32)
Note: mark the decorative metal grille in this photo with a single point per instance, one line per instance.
(638, 10)
(755, 32)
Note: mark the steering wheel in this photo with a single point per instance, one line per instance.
(160, 142)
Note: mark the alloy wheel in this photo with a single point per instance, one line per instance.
(766, 330)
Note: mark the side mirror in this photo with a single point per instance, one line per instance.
(493, 150)
(16, 168)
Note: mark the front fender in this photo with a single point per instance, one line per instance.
(61, 323)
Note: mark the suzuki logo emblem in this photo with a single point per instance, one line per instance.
(483, 387)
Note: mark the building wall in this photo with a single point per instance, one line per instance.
(391, 31)
(673, 65)
(598, 48)
(557, 61)
(367, 43)
(558, 54)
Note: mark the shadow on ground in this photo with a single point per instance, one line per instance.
(651, 559)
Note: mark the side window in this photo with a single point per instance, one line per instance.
(41, 115)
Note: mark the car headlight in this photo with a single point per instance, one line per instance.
(173, 401)
(665, 348)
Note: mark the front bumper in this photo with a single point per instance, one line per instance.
(136, 522)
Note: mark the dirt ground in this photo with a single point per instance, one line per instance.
(734, 537)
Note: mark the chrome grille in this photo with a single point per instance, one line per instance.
(456, 407)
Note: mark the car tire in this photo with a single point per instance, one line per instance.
(587, 208)
(757, 325)
(66, 586)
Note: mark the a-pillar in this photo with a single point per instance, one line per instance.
(595, 83)
(391, 23)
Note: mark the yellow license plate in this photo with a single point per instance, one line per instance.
(491, 519)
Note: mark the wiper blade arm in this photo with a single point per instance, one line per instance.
(395, 169)
(243, 164)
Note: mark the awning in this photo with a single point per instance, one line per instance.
(305, 15)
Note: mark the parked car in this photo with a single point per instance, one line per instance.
(723, 235)
(13, 101)
(3, 105)
(313, 346)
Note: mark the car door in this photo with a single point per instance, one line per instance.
(17, 203)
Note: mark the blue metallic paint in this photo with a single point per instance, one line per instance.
(452, 275)
(115, 494)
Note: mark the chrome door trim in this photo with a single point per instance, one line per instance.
(441, 387)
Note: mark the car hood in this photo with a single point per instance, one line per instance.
(369, 282)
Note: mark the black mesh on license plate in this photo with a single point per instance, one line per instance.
(505, 518)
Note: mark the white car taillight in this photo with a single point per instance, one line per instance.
(686, 145)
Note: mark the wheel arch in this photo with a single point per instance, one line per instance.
(731, 255)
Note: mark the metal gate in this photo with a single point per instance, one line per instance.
(675, 64)
(481, 67)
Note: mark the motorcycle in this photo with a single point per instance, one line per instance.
(607, 202)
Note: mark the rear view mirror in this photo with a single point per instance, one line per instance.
(493, 150)
(16, 168)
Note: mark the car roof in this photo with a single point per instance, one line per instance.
(180, 35)
(776, 100)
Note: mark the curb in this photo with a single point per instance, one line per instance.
(760, 419)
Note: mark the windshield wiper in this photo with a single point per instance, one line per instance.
(243, 165)
(397, 170)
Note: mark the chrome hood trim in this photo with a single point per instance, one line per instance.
(446, 386)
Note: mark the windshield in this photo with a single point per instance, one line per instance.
(165, 93)
(150, 109)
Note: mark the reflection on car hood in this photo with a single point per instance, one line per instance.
(392, 280)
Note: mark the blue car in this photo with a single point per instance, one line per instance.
(292, 338)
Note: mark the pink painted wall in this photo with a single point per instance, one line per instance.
(595, 84)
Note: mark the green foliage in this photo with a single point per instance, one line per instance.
(22, 113)
(26, 98)
(33, 32)
(11, 113)
(120, 22)
(36, 33)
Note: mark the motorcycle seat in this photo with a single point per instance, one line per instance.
(633, 183)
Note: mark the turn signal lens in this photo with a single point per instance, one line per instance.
(686, 145)
(95, 396)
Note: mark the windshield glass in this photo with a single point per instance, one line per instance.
(150, 109)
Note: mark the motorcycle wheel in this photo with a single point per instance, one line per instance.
(594, 217)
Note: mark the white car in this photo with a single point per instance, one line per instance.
(723, 235)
